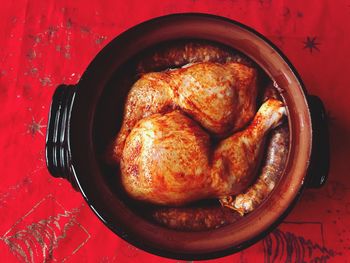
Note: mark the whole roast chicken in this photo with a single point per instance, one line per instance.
(164, 147)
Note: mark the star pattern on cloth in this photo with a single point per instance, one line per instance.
(35, 127)
(311, 44)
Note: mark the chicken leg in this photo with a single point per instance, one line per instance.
(168, 160)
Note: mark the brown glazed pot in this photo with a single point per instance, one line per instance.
(71, 138)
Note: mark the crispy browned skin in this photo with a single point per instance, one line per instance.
(220, 97)
(179, 54)
(166, 158)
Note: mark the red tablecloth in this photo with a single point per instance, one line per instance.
(45, 43)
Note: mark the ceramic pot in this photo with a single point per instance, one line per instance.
(74, 125)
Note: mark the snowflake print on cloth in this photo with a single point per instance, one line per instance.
(35, 127)
(311, 44)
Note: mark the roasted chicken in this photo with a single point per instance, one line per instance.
(168, 158)
(220, 97)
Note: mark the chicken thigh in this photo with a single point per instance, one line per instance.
(220, 97)
(168, 158)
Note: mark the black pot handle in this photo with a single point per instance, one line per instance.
(319, 163)
(58, 156)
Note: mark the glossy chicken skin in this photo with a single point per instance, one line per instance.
(220, 97)
(168, 160)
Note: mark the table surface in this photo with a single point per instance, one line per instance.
(45, 43)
